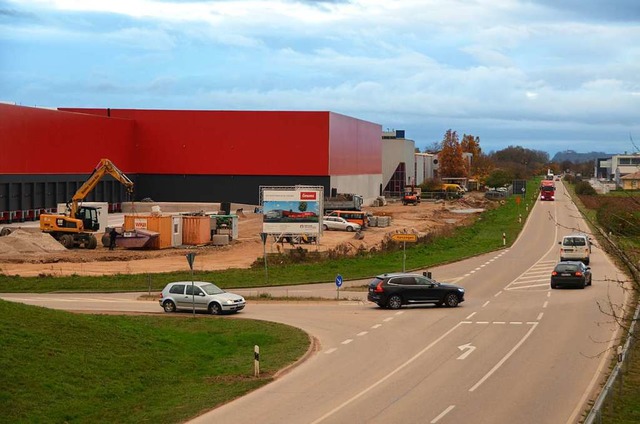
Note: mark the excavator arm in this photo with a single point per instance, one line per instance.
(104, 167)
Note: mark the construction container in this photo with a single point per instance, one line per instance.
(162, 224)
(196, 230)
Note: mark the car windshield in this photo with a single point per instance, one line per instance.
(211, 289)
(566, 268)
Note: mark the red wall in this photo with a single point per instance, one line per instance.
(355, 146)
(43, 141)
(229, 142)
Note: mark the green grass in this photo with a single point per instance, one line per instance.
(62, 367)
(624, 406)
(483, 236)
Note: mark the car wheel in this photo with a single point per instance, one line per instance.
(350, 229)
(215, 309)
(586, 261)
(169, 306)
(324, 227)
(584, 284)
(590, 280)
(395, 302)
(451, 300)
(553, 286)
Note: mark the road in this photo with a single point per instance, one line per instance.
(514, 351)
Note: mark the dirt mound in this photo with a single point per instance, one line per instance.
(23, 241)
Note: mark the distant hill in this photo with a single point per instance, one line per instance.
(576, 157)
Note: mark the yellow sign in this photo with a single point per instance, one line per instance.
(405, 237)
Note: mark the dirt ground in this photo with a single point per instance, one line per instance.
(29, 252)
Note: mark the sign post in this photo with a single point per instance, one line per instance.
(190, 258)
(263, 236)
(404, 238)
(338, 285)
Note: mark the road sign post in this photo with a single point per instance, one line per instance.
(263, 236)
(404, 238)
(190, 258)
(338, 285)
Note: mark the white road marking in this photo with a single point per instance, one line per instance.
(387, 319)
(516, 322)
(483, 265)
(386, 377)
(362, 333)
(472, 271)
(482, 322)
(333, 349)
(540, 316)
(526, 287)
(485, 303)
(499, 322)
(505, 358)
(498, 294)
(466, 275)
(549, 294)
(347, 341)
(399, 312)
(544, 305)
(469, 349)
(376, 326)
(442, 414)
(472, 314)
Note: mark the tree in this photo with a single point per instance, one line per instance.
(452, 163)
(499, 178)
(471, 144)
(434, 147)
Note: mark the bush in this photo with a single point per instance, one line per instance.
(620, 218)
(584, 188)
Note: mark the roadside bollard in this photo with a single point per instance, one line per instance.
(256, 361)
(504, 239)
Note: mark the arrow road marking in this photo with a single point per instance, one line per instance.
(469, 349)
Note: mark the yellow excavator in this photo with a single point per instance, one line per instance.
(75, 228)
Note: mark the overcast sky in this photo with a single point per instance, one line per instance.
(547, 75)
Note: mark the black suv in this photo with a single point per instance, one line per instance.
(394, 290)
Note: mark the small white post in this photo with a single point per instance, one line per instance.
(504, 239)
(256, 361)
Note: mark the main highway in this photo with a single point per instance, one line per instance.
(513, 352)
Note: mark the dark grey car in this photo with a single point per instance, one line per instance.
(398, 289)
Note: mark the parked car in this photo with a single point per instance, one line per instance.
(339, 223)
(571, 273)
(183, 295)
(398, 289)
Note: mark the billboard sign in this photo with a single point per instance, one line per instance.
(292, 210)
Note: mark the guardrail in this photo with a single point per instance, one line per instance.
(612, 390)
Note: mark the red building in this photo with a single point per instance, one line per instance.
(174, 155)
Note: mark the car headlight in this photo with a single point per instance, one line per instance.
(229, 302)
(460, 289)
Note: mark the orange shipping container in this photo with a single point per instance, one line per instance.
(158, 223)
(196, 230)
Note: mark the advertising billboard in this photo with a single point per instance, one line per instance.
(292, 210)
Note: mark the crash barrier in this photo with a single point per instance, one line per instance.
(613, 389)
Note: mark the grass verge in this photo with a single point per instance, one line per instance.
(61, 367)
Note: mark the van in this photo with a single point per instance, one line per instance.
(575, 247)
(357, 217)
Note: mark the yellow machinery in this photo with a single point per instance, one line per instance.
(75, 228)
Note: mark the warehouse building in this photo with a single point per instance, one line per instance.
(180, 155)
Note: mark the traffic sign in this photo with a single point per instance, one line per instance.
(411, 238)
(339, 281)
(190, 258)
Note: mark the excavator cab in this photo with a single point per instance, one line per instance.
(89, 217)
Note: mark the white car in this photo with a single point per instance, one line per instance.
(338, 223)
(200, 295)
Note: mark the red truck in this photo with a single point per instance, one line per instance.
(547, 190)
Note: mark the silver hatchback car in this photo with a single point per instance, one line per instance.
(204, 296)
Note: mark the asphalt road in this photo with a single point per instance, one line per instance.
(513, 352)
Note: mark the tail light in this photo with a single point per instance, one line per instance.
(554, 273)
(578, 274)
(379, 288)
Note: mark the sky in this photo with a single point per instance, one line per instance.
(548, 75)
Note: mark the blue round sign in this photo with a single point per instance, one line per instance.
(339, 280)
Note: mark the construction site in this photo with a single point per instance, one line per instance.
(27, 251)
